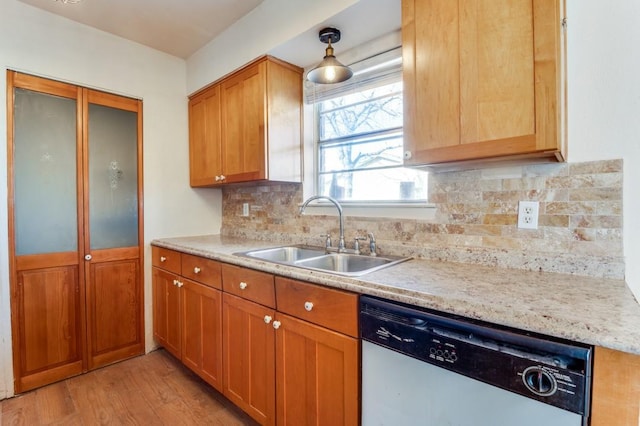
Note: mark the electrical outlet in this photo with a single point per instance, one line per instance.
(245, 209)
(528, 214)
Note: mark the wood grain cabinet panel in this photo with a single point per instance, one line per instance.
(317, 375)
(166, 311)
(334, 309)
(247, 126)
(249, 357)
(249, 284)
(187, 315)
(169, 260)
(483, 80)
(616, 388)
(205, 271)
(201, 308)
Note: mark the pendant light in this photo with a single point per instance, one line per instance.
(330, 70)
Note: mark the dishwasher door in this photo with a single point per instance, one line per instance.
(398, 390)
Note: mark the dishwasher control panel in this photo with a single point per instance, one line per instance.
(557, 373)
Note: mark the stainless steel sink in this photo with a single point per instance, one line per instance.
(317, 258)
(348, 264)
(286, 254)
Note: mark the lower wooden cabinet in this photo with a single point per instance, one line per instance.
(616, 388)
(249, 363)
(316, 374)
(187, 315)
(284, 351)
(201, 315)
(166, 311)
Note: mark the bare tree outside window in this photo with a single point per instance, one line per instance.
(360, 148)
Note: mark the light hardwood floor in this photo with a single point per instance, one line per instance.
(152, 389)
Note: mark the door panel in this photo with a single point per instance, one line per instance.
(45, 191)
(113, 177)
(114, 312)
(49, 331)
(112, 228)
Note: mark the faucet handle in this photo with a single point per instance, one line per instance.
(356, 244)
(372, 244)
(327, 243)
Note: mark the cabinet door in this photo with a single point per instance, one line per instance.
(243, 125)
(205, 162)
(202, 331)
(249, 357)
(481, 79)
(317, 375)
(166, 311)
(616, 388)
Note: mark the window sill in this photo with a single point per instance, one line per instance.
(411, 210)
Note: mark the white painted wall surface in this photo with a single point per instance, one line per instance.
(603, 49)
(269, 25)
(40, 43)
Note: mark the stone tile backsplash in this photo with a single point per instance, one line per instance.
(475, 221)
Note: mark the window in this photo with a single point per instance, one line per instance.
(360, 141)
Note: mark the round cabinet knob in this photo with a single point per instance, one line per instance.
(163, 259)
(243, 285)
(196, 270)
(267, 319)
(276, 324)
(180, 284)
(308, 306)
(407, 155)
(87, 257)
(175, 282)
(222, 177)
(217, 178)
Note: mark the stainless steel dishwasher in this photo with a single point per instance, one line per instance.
(420, 367)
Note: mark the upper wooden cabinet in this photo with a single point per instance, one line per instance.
(482, 80)
(247, 126)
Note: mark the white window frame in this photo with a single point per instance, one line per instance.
(418, 209)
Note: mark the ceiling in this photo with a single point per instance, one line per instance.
(182, 27)
(175, 27)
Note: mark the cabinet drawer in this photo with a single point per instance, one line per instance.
(166, 259)
(249, 284)
(334, 309)
(205, 271)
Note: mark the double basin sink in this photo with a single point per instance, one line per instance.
(319, 259)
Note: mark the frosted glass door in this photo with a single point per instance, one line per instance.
(113, 177)
(45, 173)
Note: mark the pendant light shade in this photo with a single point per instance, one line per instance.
(330, 70)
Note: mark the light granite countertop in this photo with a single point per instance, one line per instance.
(595, 311)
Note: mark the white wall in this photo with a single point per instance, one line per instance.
(269, 25)
(603, 49)
(40, 43)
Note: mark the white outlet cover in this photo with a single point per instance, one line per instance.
(528, 214)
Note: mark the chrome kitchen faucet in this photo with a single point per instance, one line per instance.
(341, 246)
